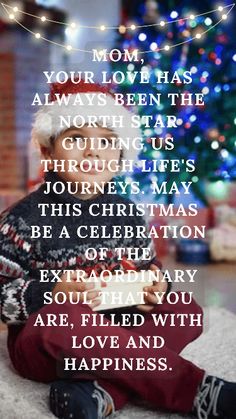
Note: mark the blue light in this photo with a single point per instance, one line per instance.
(234, 57)
(197, 140)
(174, 14)
(193, 118)
(226, 87)
(157, 55)
(217, 88)
(142, 37)
(153, 46)
(208, 21)
(205, 74)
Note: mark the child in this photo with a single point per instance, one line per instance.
(37, 353)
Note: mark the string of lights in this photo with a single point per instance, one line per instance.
(13, 12)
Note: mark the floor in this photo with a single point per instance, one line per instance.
(215, 284)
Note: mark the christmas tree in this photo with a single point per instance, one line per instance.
(206, 133)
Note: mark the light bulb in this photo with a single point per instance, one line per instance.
(122, 29)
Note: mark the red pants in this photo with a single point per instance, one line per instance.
(37, 353)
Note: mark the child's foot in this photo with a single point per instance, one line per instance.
(216, 398)
(80, 400)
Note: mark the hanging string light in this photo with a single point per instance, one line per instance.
(122, 28)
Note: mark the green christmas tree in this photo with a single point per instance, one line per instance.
(206, 133)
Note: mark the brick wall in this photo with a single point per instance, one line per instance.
(22, 61)
(9, 173)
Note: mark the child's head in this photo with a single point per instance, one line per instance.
(75, 128)
(94, 146)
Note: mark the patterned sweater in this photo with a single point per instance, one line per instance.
(22, 257)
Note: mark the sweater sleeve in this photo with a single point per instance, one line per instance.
(144, 242)
(147, 243)
(20, 294)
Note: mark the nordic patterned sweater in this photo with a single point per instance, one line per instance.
(22, 257)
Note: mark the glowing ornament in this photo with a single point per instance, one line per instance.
(142, 37)
(214, 145)
(224, 153)
(221, 138)
(205, 90)
(174, 14)
(212, 133)
(208, 21)
(153, 46)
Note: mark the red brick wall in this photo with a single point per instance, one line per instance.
(9, 173)
(22, 61)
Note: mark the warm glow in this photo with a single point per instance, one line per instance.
(122, 29)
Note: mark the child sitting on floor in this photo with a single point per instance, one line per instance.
(160, 376)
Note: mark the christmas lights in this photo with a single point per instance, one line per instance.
(122, 28)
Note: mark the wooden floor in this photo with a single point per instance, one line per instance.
(215, 284)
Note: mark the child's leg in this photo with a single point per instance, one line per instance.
(176, 337)
(39, 350)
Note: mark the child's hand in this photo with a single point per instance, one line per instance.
(73, 287)
(150, 298)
